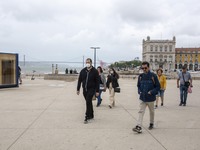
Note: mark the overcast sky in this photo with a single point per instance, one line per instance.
(64, 30)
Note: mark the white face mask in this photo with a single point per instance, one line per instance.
(111, 72)
(88, 65)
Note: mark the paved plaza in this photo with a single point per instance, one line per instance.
(48, 115)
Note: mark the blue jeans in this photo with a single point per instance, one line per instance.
(160, 93)
(183, 94)
(99, 98)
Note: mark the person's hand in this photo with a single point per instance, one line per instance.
(178, 86)
(78, 92)
(97, 94)
(191, 85)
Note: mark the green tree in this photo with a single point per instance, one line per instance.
(125, 64)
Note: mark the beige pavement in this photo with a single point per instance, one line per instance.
(48, 115)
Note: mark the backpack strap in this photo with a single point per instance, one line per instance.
(153, 78)
(140, 77)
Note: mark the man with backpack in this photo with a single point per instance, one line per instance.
(148, 86)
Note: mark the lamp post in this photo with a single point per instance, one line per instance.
(95, 48)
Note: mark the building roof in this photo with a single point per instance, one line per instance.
(177, 50)
(187, 49)
(159, 41)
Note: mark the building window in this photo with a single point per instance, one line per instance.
(156, 48)
(161, 48)
(155, 60)
(151, 47)
(170, 48)
(160, 60)
(165, 48)
(165, 60)
(151, 60)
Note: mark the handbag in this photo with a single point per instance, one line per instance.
(189, 89)
(117, 89)
(187, 84)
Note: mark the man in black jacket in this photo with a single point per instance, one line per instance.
(89, 78)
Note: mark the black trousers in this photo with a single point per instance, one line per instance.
(88, 98)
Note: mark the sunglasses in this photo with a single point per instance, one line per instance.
(144, 68)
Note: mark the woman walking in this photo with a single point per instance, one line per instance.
(102, 86)
(112, 83)
(163, 83)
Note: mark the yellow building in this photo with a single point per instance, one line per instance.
(189, 57)
(8, 70)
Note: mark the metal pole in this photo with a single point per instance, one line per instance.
(95, 58)
(83, 61)
(95, 48)
(24, 60)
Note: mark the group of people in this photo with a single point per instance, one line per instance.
(151, 87)
(94, 83)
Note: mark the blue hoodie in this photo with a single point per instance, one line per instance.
(148, 82)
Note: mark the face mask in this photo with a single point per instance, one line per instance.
(111, 72)
(88, 65)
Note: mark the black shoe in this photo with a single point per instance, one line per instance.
(137, 129)
(85, 121)
(151, 126)
(161, 104)
(184, 104)
(110, 106)
(156, 106)
(98, 105)
(180, 104)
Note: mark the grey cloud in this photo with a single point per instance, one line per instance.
(143, 11)
(60, 30)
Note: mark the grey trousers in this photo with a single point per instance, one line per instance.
(141, 112)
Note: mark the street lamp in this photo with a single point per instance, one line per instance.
(95, 48)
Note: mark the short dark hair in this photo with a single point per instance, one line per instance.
(145, 63)
(159, 70)
(89, 59)
(184, 67)
(101, 70)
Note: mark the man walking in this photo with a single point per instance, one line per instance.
(148, 86)
(89, 78)
(184, 77)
